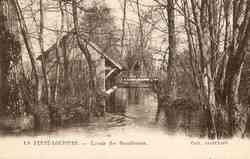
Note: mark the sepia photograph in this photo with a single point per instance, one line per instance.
(104, 79)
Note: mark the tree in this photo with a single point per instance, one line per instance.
(123, 26)
(59, 37)
(171, 72)
(91, 68)
(238, 47)
(10, 57)
(28, 44)
(217, 69)
(98, 24)
(41, 44)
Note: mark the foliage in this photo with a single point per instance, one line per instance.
(10, 57)
(11, 48)
(98, 24)
(69, 112)
(17, 124)
(42, 118)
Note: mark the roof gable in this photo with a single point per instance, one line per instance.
(90, 44)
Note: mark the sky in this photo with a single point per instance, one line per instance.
(117, 6)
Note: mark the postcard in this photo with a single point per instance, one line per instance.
(124, 79)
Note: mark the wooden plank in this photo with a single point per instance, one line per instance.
(110, 73)
(111, 90)
(122, 85)
(139, 79)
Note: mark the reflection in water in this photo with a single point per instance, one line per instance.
(142, 106)
(133, 116)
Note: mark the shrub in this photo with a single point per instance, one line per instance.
(17, 125)
(67, 114)
(42, 117)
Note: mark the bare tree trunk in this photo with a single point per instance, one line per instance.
(28, 44)
(172, 50)
(209, 100)
(65, 68)
(234, 104)
(41, 43)
(10, 48)
(201, 57)
(237, 52)
(59, 36)
(171, 89)
(64, 46)
(91, 66)
(55, 95)
(123, 27)
(3, 61)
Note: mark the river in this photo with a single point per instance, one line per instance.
(138, 116)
